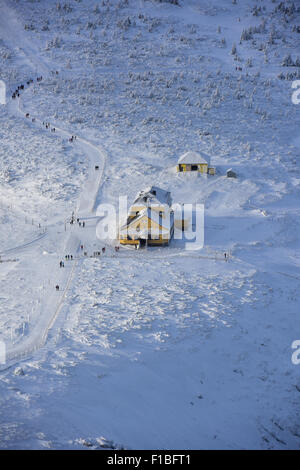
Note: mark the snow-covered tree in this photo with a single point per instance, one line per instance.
(287, 61)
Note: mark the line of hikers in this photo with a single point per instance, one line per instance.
(72, 220)
(16, 93)
(48, 126)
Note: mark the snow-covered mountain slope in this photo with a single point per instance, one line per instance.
(159, 348)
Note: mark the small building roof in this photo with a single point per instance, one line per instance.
(194, 158)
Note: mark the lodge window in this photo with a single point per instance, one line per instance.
(194, 167)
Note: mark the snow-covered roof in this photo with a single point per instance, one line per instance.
(164, 222)
(153, 195)
(194, 157)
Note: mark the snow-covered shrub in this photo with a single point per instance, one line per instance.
(122, 3)
(290, 75)
(287, 61)
(246, 34)
(124, 24)
(29, 27)
(256, 11)
(286, 9)
(54, 43)
(4, 53)
(172, 2)
(91, 25)
(271, 38)
(67, 8)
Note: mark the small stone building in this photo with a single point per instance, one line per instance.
(230, 173)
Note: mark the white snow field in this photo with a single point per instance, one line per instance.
(161, 348)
